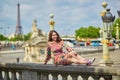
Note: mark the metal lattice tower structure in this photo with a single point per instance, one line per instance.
(18, 30)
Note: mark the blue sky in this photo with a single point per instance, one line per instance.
(69, 15)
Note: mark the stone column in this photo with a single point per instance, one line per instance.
(117, 37)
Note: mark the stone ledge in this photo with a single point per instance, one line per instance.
(69, 68)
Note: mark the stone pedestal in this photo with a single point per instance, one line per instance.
(35, 46)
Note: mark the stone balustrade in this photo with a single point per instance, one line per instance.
(35, 71)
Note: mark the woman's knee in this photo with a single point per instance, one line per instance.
(72, 54)
(71, 60)
(75, 61)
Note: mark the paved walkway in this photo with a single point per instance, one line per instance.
(114, 55)
(11, 51)
(11, 55)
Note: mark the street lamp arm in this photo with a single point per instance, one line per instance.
(118, 13)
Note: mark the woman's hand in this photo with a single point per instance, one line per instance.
(45, 63)
(69, 49)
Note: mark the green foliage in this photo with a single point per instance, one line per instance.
(117, 21)
(21, 37)
(2, 38)
(87, 32)
(27, 37)
(93, 32)
(17, 38)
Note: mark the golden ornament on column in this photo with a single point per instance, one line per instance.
(51, 22)
(104, 4)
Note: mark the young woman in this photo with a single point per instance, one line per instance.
(55, 48)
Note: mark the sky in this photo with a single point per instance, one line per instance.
(69, 15)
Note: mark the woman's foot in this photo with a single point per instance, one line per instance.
(90, 61)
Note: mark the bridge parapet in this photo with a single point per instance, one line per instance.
(35, 71)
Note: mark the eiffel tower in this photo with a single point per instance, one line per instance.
(18, 30)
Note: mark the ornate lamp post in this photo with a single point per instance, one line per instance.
(51, 22)
(117, 36)
(101, 32)
(108, 20)
(117, 33)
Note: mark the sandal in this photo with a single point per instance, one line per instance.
(89, 62)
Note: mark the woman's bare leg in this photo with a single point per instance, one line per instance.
(73, 60)
(76, 56)
(80, 57)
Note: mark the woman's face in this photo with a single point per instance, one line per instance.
(54, 36)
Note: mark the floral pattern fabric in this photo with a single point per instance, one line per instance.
(57, 50)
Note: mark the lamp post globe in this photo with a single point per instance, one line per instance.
(104, 4)
(51, 15)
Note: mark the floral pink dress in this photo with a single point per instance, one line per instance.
(59, 55)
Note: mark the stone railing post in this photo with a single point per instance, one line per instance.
(13, 77)
(1, 77)
(96, 77)
(64, 76)
(44, 76)
(20, 75)
(55, 76)
(108, 77)
(85, 77)
(74, 76)
(6, 77)
(39, 76)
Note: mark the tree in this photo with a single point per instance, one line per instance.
(27, 37)
(93, 32)
(81, 33)
(117, 21)
(21, 37)
(87, 32)
(2, 38)
(17, 38)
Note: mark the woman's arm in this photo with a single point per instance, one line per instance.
(47, 54)
(67, 47)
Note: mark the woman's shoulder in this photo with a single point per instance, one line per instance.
(50, 42)
(62, 42)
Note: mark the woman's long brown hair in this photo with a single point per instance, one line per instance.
(50, 36)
